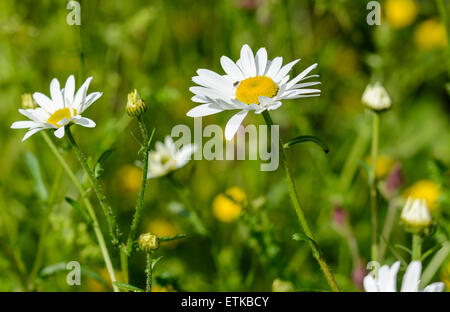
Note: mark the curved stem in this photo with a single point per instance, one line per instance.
(97, 188)
(300, 214)
(373, 186)
(90, 209)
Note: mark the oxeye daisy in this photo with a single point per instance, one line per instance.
(253, 83)
(386, 279)
(167, 158)
(64, 106)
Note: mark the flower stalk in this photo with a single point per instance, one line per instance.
(373, 186)
(90, 210)
(416, 247)
(107, 210)
(300, 214)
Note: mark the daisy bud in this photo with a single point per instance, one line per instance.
(148, 242)
(415, 216)
(376, 98)
(28, 102)
(135, 105)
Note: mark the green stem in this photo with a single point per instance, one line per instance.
(387, 228)
(149, 273)
(90, 209)
(124, 264)
(444, 18)
(298, 209)
(113, 231)
(373, 185)
(140, 202)
(416, 247)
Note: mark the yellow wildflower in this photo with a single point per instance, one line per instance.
(425, 189)
(430, 35)
(227, 207)
(400, 13)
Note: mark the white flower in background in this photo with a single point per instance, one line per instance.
(167, 158)
(386, 281)
(415, 215)
(253, 83)
(64, 107)
(376, 97)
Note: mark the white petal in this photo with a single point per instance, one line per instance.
(59, 133)
(85, 122)
(231, 69)
(204, 110)
(45, 102)
(274, 67)
(411, 278)
(435, 287)
(90, 99)
(184, 154)
(80, 96)
(369, 284)
(284, 71)
(261, 61)
(300, 76)
(233, 124)
(69, 89)
(31, 132)
(248, 61)
(210, 79)
(23, 124)
(55, 93)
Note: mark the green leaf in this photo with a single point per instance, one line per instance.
(35, 170)
(367, 170)
(303, 238)
(155, 261)
(98, 169)
(394, 251)
(80, 209)
(404, 248)
(128, 287)
(307, 138)
(164, 239)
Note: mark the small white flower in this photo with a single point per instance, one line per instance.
(386, 281)
(168, 158)
(415, 214)
(64, 107)
(376, 97)
(253, 83)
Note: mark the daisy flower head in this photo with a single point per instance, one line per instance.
(63, 107)
(167, 157)
(386, 279)
(252, 83)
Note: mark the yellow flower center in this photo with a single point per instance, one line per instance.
(250, 89)
(59, 115)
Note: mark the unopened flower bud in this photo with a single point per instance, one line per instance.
(148, 242)
(28, 102)
(135, 105)
(415, 216)
(376, 98)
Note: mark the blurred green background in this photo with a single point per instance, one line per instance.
(156, 47)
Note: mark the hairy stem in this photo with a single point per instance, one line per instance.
(300, 214)
(97, 188)
(89, 207)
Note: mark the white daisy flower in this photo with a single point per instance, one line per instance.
(64, 107)
(253, 83)
(167, 158)
(386, 281)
